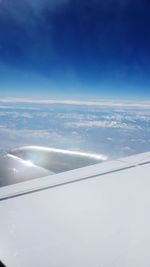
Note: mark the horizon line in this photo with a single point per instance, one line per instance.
(77, 102)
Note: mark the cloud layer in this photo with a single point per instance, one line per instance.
(99, 103)
(107, 128)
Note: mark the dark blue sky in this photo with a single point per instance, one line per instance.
(75, 48)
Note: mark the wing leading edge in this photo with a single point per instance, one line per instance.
(96, 170)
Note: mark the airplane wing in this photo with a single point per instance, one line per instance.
(94, 216)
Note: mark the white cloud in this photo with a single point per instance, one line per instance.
(16, 115)
(100, 103)
(76, 116)
(72, 128)
(109, 139)
(26, 115)
(101, 124)
(29, 133)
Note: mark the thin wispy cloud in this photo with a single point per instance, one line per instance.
(102, 124)
(99, 103)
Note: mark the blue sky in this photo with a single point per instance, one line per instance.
(75, 49)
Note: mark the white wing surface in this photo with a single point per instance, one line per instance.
(96, 216)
